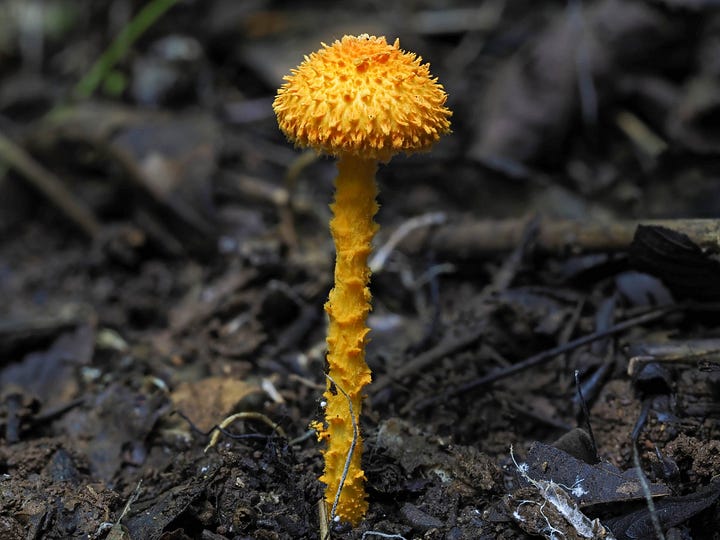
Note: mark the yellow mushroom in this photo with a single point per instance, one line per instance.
(361, 100)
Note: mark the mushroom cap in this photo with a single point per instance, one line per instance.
(364, 97)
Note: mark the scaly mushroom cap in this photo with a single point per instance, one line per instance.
(364, 97)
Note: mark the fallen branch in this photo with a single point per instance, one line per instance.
(477, 239)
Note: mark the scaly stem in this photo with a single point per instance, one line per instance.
(352, 229)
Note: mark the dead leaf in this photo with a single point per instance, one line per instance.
(50, 375)
(595, 484)
(208, 401)
(169, 159)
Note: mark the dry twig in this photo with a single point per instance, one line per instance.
(545, 356)
(50, 186)
(243, 416)
(477, 239)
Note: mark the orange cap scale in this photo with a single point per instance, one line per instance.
(362, 96)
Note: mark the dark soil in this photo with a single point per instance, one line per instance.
(165, 257)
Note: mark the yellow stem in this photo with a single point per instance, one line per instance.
(352, 228)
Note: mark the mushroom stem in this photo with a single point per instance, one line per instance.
(348, 305)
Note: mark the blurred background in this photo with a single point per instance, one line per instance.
(133, 130)
(597, 108)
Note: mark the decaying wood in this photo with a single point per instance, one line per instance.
(477, 239)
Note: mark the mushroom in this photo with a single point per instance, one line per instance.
(361, 100)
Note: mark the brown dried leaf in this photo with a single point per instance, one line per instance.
(208, 401)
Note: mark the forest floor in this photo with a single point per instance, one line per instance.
(542, 365)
